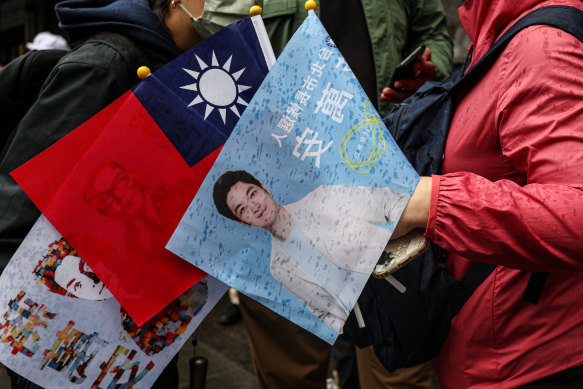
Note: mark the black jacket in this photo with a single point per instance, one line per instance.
(20, 83)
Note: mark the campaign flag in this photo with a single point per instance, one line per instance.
(117, 186)
(305, 194)
(60, 327)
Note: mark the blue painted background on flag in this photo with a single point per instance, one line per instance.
(187, 93)
(310, 124)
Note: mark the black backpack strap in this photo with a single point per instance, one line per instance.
(534, 288)
(480, 271)
(132, 54)
(471, 280)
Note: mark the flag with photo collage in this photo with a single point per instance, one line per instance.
(60, 327)
(305, 194)
(117, 186)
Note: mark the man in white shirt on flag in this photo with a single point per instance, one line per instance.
(320, 243)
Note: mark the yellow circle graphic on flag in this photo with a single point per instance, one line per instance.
(364, 144)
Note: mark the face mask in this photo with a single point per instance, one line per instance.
(218, 14)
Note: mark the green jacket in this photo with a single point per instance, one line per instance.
(395, 27)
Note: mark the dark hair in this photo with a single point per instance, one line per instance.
(224, 184)
(47, 266)
(159, 7)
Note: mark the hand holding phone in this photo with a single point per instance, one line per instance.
(405, 69)
(410, 74)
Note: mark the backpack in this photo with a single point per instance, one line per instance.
(407, 329)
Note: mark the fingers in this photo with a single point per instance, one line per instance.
(426, 56)
(394, 96)
(409, 85)
(425, 68)
(403, 89)
(424, 71)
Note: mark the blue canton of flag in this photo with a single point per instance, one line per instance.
(208, 88)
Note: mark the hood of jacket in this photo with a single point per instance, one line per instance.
(485, 20)
(131, 18)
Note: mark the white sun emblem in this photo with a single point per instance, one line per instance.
(216, 87)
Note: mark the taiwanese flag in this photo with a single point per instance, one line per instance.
(118, 185)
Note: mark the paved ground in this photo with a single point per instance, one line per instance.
(227, 351)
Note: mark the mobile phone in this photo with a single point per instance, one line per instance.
(405, 69)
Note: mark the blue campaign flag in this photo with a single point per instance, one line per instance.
(208, 87)
(305, 194)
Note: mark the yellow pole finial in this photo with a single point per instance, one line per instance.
(143, 72)
(255, 10)
(310, 5)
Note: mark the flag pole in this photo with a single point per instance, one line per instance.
(255, 12)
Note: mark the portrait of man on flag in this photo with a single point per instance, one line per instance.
(326, 227)
(305, 194)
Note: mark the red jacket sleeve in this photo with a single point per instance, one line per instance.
(537, 224)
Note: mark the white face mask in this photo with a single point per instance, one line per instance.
(218, 14)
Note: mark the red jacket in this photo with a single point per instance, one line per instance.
(511, 194)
